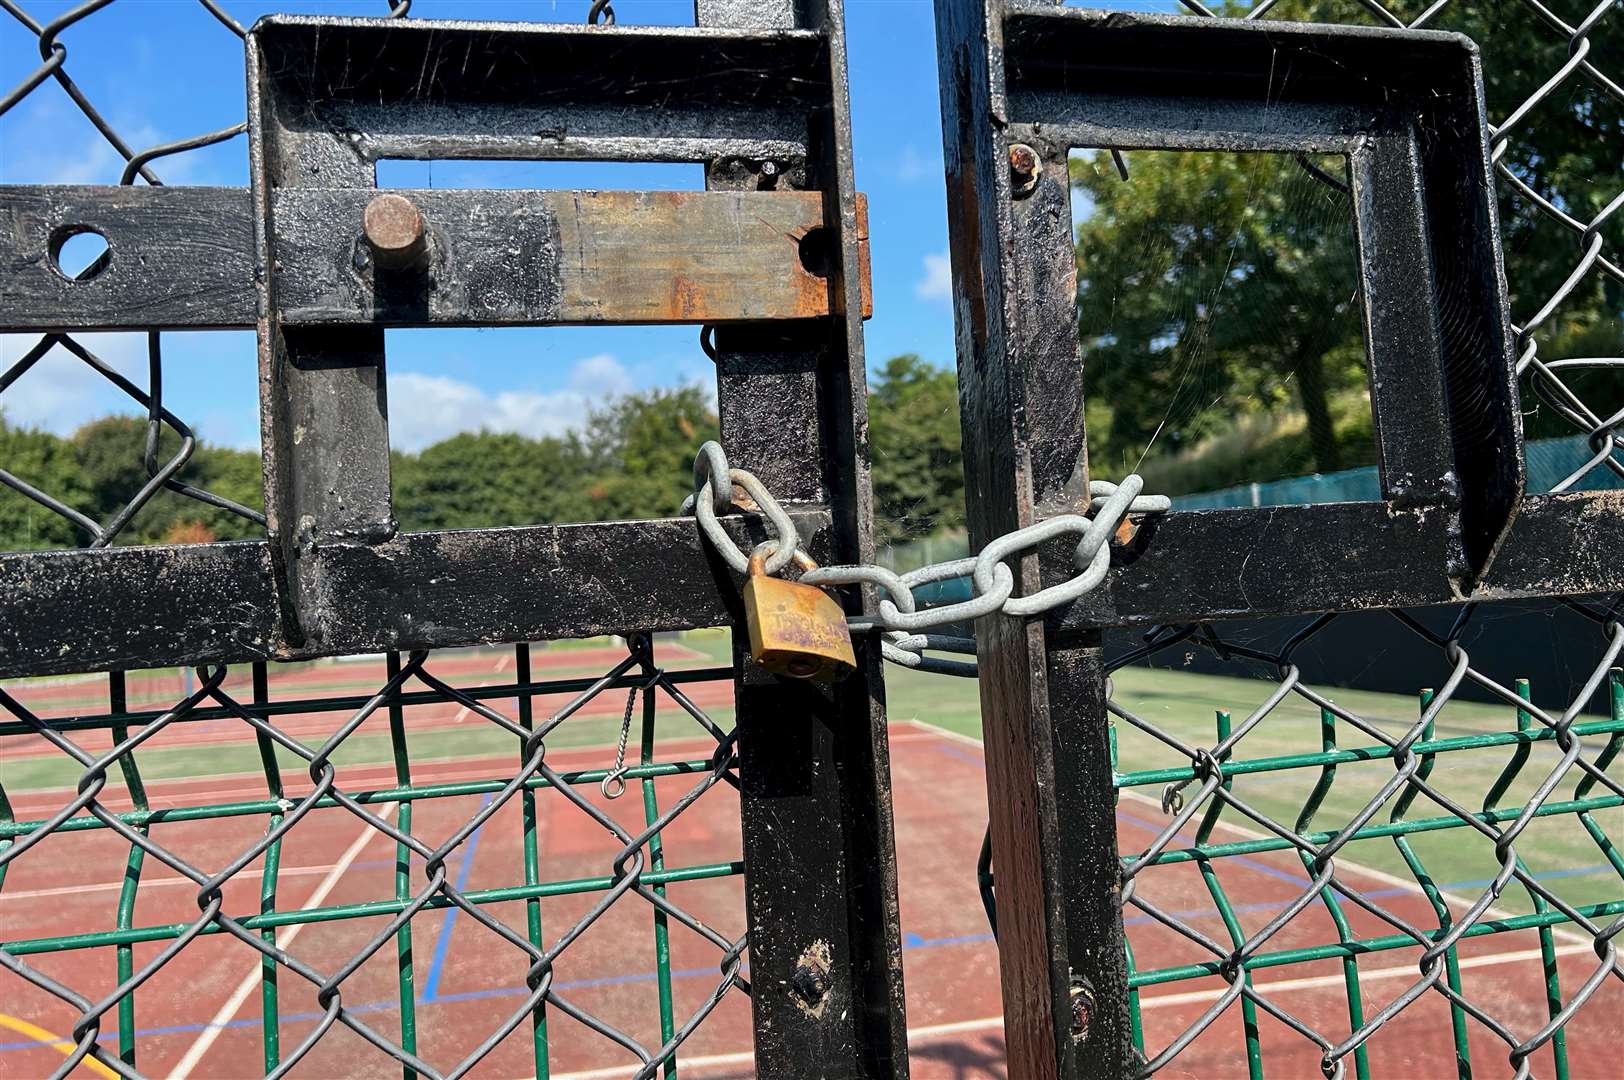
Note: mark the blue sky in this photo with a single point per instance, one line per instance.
(161, 69)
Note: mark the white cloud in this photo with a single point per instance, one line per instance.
(60, 392)
(423, 409)
(936, 283)
(911, 166)
(600, 376)
(60, 146)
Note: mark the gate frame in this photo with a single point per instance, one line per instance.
(1022, 82)
(335, 576)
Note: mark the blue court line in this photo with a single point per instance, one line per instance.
(915, 942)
(910, 942)
(442, 943)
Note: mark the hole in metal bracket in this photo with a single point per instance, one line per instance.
(817, 251)
(79, 252)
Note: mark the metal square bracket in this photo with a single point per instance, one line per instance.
(1023, 82)
(773, 254)
(339, 262)
(1406, 109)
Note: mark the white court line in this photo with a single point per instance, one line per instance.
(501, 664)
(1315, 982)
(228, 1011)
(952, 736)
(1493, 910)
(148, 883)
(1451, 899)
(298, 871)
(934, 1031)
(362, 774)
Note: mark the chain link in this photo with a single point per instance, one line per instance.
(992, 582)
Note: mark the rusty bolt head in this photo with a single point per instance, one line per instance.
(394, 229)
(1082, 1011)
(809, 984)
(1024, 168)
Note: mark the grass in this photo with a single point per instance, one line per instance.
(1182, 704)
(1260, 447)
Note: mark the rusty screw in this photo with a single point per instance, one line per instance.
(809, 984)
(394, 230)
(1024, 168)
(1082, 1011)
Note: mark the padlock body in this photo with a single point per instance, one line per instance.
(797, 630)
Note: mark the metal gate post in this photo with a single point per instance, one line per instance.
(814, 772)
(324, 416)
(1044, 722)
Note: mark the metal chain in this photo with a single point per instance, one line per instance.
(992, 582)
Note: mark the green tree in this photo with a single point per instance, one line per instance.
(1214, 280)
(640, 452)
(101, 467)
(913, 428)
(1214, 287)
(480, 479)
(45, 462)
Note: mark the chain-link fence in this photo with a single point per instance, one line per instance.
(125, 770)
(140, 165)
(1527, 794)
(1323, 798)
(1541, 779)
(310, 794)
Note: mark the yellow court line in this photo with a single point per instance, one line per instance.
(55, 1042)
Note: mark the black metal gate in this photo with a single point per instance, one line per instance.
(1024, 84)
(771, 260)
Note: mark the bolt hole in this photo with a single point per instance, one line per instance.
(79, 252)
(817, 251)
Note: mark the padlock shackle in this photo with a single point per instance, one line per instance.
(758, 558)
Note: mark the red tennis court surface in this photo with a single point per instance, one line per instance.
(200, 1015)
(352, 677)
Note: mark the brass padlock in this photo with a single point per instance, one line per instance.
(795, 629)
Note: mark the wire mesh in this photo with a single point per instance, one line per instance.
(1562, 242)
(222, 708)
(108, 748)
(1440, 792)
(1562, 786)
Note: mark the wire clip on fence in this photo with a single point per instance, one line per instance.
(904, 624)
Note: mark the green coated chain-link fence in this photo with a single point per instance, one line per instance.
(1463, 837)
(324, 762)
(1392, 822)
